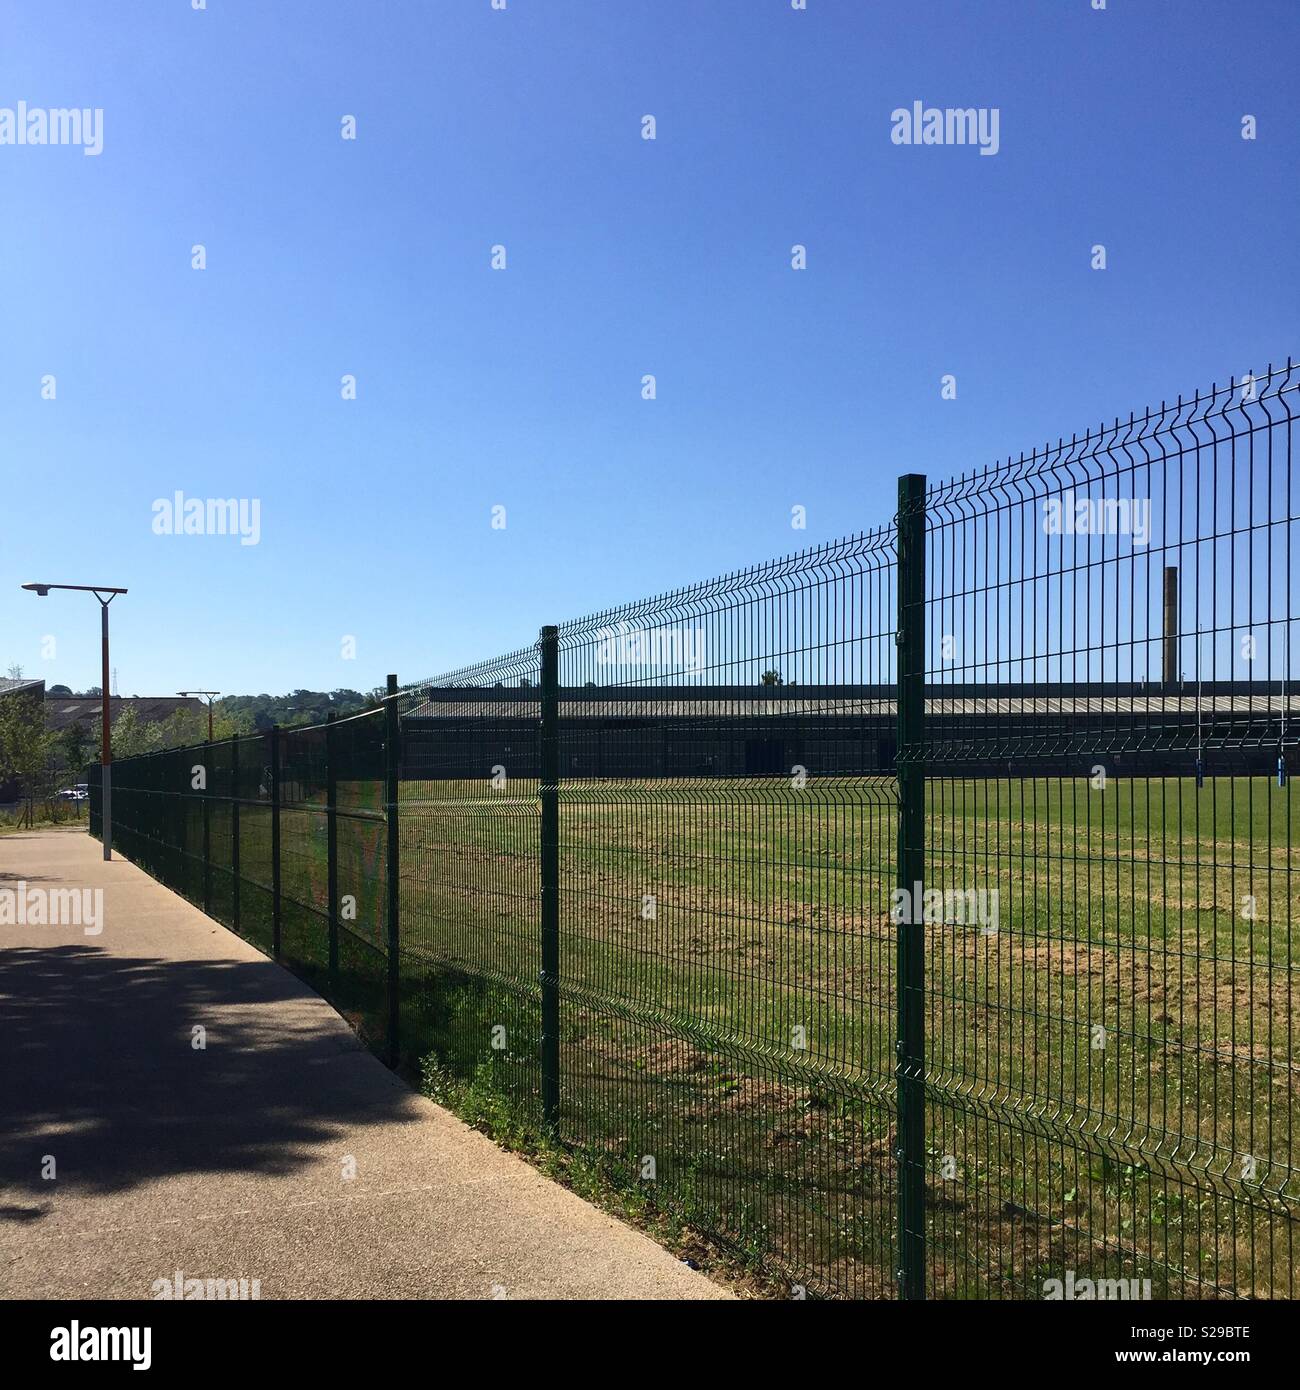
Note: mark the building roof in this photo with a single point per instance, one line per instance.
(631, 702)
(62, 711)
(10, 686)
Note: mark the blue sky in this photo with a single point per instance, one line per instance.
(522, 388)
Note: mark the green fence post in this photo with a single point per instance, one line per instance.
(392, 753)
(207, 826)
(332, 852)
(910, 952)
(275, 841)
(549, 795)
(181, 880)
(234, 833)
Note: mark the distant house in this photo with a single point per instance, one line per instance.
(14, 687)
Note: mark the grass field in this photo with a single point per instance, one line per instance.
(1111, 1065)
(1104, 1066)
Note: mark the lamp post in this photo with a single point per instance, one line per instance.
(106, 744)
(211, 695)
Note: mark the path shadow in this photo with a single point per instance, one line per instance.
(98, 1068)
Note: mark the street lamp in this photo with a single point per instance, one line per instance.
(106, 746)
(212, 695)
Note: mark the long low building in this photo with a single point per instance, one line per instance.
(63, 711)
(1228, 728)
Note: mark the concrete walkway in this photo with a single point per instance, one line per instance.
(229, 1162)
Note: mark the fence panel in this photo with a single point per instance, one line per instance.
(728, 819)
(471, 875)
(1111, 1060)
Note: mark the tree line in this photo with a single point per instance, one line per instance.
(42, 761)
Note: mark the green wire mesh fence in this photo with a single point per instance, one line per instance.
(912, 916)
(1111, 1069)
(281, 836)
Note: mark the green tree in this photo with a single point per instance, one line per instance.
(131, 735)
(27, 750)
(182, 728)
(76, 747)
